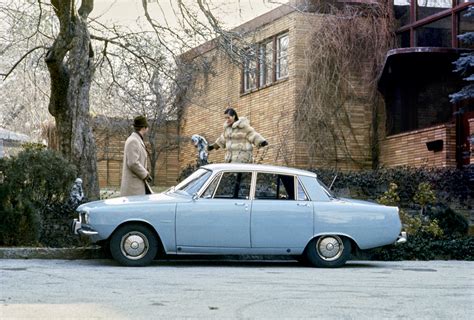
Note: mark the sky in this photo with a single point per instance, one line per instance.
(230, 12)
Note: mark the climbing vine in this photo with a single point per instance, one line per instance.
(343, 60)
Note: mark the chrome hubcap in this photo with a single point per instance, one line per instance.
(134, 245)
(329, 248)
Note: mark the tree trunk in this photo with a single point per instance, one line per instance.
(69, 62)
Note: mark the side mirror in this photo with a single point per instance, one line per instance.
(195, 196)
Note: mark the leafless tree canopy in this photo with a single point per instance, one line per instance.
(93, 68)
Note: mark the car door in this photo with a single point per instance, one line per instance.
(282, 215)
(220, 218)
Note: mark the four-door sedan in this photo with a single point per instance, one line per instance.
(237, 209)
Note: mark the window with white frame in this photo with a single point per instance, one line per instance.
(282, 57)
(250, 70)
(266, 63)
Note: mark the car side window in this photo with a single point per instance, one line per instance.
(301, 194)
(211, 188)
(275, 187)
(234, 185)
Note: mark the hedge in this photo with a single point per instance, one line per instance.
(34, 193)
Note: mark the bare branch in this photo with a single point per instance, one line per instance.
(5, 75)
(86, 8)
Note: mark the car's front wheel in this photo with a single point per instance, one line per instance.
(133, 245)
(329, 251)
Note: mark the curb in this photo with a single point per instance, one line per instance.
(52, 253)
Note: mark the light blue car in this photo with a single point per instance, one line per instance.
(240, 209)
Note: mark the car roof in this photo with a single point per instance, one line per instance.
(258, 167)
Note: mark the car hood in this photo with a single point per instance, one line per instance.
(172, 197)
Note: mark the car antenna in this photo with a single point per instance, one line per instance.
(333, 180)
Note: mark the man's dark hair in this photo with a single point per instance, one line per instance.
(140, 122)
(231, 112)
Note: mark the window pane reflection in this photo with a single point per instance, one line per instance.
(402, 11)
(430, 7)
(436, 34)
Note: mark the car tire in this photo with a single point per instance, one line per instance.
(134, 245)
(329, 251)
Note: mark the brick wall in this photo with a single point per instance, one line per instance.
(271, 110)
(409, 149)
(110, 141)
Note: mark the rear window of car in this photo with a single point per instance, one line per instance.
(275, 187)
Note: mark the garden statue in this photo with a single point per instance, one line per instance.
(77, 194)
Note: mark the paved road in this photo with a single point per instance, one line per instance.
(100, 289)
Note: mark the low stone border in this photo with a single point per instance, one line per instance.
(51, 253)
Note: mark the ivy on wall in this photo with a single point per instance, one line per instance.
(343, 60)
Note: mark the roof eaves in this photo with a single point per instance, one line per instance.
(244, 28)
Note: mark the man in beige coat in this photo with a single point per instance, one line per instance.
(238, 138)
(135, 176)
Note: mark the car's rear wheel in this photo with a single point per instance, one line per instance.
(133, 245)
(329, 251)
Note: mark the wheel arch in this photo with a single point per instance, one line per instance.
(354, 245)
(161, 248)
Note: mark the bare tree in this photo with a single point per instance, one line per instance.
(65, 42)
(71, 68)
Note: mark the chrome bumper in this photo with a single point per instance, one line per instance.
(402, 238)
(76, 228)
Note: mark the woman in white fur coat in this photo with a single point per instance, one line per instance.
(238, 138)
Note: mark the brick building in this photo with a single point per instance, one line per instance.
(414, 124)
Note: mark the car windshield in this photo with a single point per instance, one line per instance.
(194, 182)
(326, 189)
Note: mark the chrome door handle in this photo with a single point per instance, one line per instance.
(302, 204)
(240, 204)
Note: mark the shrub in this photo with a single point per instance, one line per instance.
(449, 221)
(34, 191)
(187, 171)
(423, 247)
(424, 197)
(415, 224)
(449, 185)
(425, 233)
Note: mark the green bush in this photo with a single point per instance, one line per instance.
(34, 189)
(449, 221)
(424, 196)
(186, 172)
(449, 185)
(425, 247)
